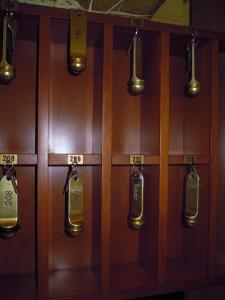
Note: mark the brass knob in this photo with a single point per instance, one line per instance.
(7, 72)
(7, 232)
(77, 64)
(74, 229)
(137, 86)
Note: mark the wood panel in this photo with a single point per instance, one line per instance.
(164, 146)
(42, 151)
(187, 244)
(106, 156)
(75, 101)
(214, 167)
(133, 247)
(67, 255)
(18, 109)
(13, 248)
(190, 116)
(220, 240)
(66, 252)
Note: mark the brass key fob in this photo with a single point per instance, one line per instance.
(74, 203)
(8, 205)
(191, 203)
(136, 209)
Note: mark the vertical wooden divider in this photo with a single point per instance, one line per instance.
(106, 156)
(164, 148)
(214, 54)
(42, 151)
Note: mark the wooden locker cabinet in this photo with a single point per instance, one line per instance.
(48, 113)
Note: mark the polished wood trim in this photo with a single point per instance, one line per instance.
(214, 171)
(61, 159)
(42, 151)
(106, 156)
(124, 159)
(164, 147)
(114, 20)
(179, 159)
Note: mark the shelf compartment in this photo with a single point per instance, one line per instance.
(71, 256)
(18, 114)
(135, 119)
(75, 102)
(187, 247)
(190, 120)
(124, 159)
(18, 264)
(61, 159)
(133, 252)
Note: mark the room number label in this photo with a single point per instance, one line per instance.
(75, 159)
(8, 159)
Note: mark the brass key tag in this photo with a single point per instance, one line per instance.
(74, 204)
(136, 209)
(8, 208)
(191, 204)
(78, 41)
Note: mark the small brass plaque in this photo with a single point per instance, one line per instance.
(77, 159)
(137, 159)
(8, 159)
(137, 23)
(190, 159)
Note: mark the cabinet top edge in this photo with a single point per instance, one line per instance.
(53, 12)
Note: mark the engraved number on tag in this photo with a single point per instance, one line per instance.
(8, 159)
(137, 23)
(75, 159)
(136, 159)
(190, 159)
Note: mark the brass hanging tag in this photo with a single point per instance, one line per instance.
(136, 209)
(8, 207)
(136, 84)
(191, 204)
(78, 41)
(74, 203)
(7, 71)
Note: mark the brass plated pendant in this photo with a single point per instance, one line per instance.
(7, 71)
(191, 204)
(74, 203)
(8, 206)
(136, 209)
(78, 41)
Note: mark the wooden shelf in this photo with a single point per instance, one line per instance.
(123, 159)
(24, 159)
(68, 283)
(128, 276)
(180, 270)
(179, 159)
(61, 159)
(94, 114)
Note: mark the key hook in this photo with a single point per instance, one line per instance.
(136, 34)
